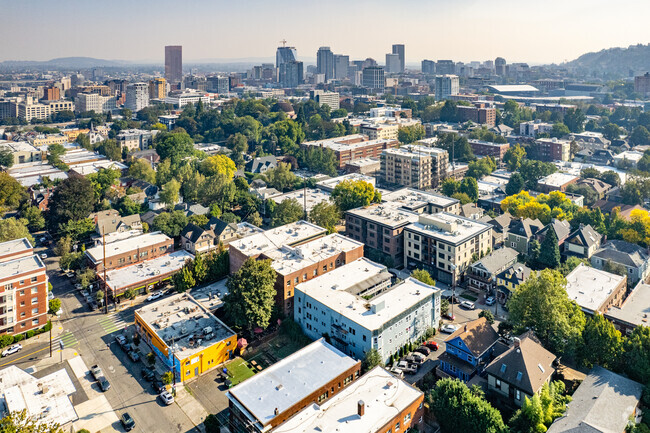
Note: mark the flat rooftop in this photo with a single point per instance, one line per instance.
(20, 266)
(314, 197)
(287, 382)
(412, 199)
(636, 308)
(342, 144)
(363, 162)
(127, 276)
(290, 234)
(387, 214)
(117, 236)
(18, 146)
(211, 296)
(383, 395)
(142, 242)
(330, 184)
(333, 291)
(590, 287)
(449, 228)
(287, 259)
(180, 321)
(557, 179)
(16, 246)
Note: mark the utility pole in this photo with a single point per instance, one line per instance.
(304, 195)
(104, 265)
(51, 338)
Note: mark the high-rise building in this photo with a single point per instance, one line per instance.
(331, 99)
(414, 166)
(446, 85)
(85, 102)
(393, 63)
(51, 93)
(428, 67)
(341, 66)
(325, 62)
(399, 50)
(285, 55)
(642, 84)
(445, 67)
(500, 66)
(157, 88)
(373, 78)
(137, 96)
(218, 84)
(173, 63)
(291, 74)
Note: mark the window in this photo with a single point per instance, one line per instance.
(519, 376)
(503, 368)
(22, 282)
(34, 279)
(35, 300)
(34, 322)
(397, 426)
(22, 292)
(7, 286)
(315, 272)
(34, 290)
(498, 383)
(517, 394)
(513, 244)
(296, 280)
(325, 268)
(304, 277)
(407, 418)
(34, 311)
(289, 283)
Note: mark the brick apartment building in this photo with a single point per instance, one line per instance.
(485, 148)
(23, 288)
(129, 251)
(552, 149)
(479, 113)
(352, 147)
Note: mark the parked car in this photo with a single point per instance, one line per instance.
(134, 356)
(103, 383)
(489, 301)
(148, 375)
(449, 316)
(121, 340)
(449, 329)
(166, 397)
(11, 350)
(423, 350)
(406, 368)
(96, 371)
(43, 256)
(154, 296)
(127, 422)
(433, 345)
(415, 358)
(397, 371)
(158, 386)
(93, 306)
(468, 305)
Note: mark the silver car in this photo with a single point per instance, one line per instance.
(167, 397)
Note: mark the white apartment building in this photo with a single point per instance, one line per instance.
(137, 96)
(30, 108)
(331, 99)
(446, 86)
(533, 128)
(181, 99)
(94, 102)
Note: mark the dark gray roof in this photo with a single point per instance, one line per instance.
(192, 209)
(516, 274)
(497, 260)
(561, 228)
(525, 227)
(622, 252)
(603, 402)
(478, 335)
(218, 226)
(257, 164)
(585, 235)
(500, 222)
(193, 232)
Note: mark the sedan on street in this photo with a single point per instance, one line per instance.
(13, 349)
(449, 329)
(467, 305)
(167, 397)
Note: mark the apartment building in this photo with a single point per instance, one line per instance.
(85, 102)
(485, 148)
(444, 244)
(130, 251)
(157, 88)
(179, 99)
(22, 151)
(552, 149)
(331, 99)
(137, 96)
(380, 131)
(414, 166)
(360, 310)
(23, 288)
(534, 127)
(422, 201)
(135, 139)
(31, 109)
(478, 113)
(352, 147)
(446, 86)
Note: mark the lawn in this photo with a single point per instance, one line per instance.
(276, 349)
(469, 297)
(239, 371)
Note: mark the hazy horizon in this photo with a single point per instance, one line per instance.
(462, 30)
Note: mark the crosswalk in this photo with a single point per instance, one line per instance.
(112, 323)
(67, 338)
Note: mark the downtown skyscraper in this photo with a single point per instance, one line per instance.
(173, 63)
(325, 62)
(399, 50)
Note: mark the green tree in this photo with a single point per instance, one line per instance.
(251, 293)
(481, 167)
(530, 418)
(574, 119)
(86, 277)
(559, 130)
(410, 134)
(542, 304)
(469, 186)
(73, 199)
(54, 154)
(423, 276)
(174, 145)
(12, 228)
(22, 422)
(532, 171)
(640, 136)
(550, 251)
(513, 157)
(167, 378)
(54, 305)
(199, 268)
(184, 279)
(488, 316)
(280, 177)
(326, 215)
(615, 268)
(287, 212)
(111, 149)
(351, 194)
(601, 333)
(636, 354)
(34, 216)
(515, 185)
(371, 360)
(462, 197)
(170, 223)
(170, 192)
(12, 193)
(611, 131)
(6, 158)
(142, 170)
(450, 187)
(218, 164)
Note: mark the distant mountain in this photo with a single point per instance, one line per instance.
(68, 62)
(614, 61)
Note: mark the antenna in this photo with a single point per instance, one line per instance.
(283, 42)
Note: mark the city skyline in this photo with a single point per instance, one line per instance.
(429, 30)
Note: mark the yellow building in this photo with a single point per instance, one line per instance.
(49, 139)
(185, 335)
(72, 134)
(157, 88)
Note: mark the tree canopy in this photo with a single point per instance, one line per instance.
(251, 295)
(351, 194)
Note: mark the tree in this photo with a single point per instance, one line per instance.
(457, 409)
(481, 167)
(170, 223)
(488, 316)
(371, 360)
(141, 169)
(219, 164)
(469, 186)
(532, 171)
(515, 185)
(174, 145)
(640, 136)
(423, 276)
(6, 158)
(280, 177)
(73, 199)
(550, 251)
(601, 333)
(183, 280)
(251, 295)
(636, 354)
(326, 215)
(542, 304)
(169, 194)
(410, 134)
(212, 424)
(54, 153)
(538, 413)
(35, 218)
(199, 268)
(615, 268)
(351, 194)
(611, 131)
(559, 130)
(12, 193)
(513, 157)
(54, 305)
(255, 219)
(99, 295)
(462, 197)
(12, 228)
(574, 119)
(22, 422)
(287, 212)
(86, 277)
(450, 187)
(111, 149)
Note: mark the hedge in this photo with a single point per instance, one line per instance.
(7, 340)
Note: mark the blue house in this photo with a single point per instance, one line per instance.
(469, 350)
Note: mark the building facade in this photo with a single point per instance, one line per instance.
(137, 96)
(446, 86)
(372, 78)
(174, 63)
(157, 88)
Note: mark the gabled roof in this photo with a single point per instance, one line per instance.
(497, 260)
(596, 184)
(218, 226)
(257, 164)
(500, 222)
(194, 232)
(526, 365)
(585, 236)
(478, 335)
(624, 253)
(561, 228)
(470, 210)
(192, 208)
(525, 227)
(516, 274)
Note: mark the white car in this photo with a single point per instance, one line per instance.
(449, 329)
(167, 397)
(13, 349)
(468, 305)
(43, 256)
(154, 296)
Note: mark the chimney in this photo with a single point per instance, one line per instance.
(465, 330)
(361, 408)
(517, 342)
(276, 412)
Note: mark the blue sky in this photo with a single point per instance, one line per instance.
(524, 30)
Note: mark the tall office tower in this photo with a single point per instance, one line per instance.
(399, 50)
(157, 88)
(174, 63)
(52, 93)
(218, 84)
(392, 63)
(445, 67)
(446, 85)
(285, 55)
(137, 96)
(341, 66)
(325, 62)
(428, 67)
(500, 66)
(373, 78)
(291, 74)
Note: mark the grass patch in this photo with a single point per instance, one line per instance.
(469, 297)
(239, 371)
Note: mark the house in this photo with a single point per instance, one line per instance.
(635, 259)
(520, 371)
(603, 403)
(261, 164)
(110, 221)
(582, 242)
(227, 232)
(635, 310)
(594, 290)
(607, 206)
(217, 232)
(196, 239)
(482, 274)
(470, 210)
(190, 209)
(556, 182)
(500, 225)
(510, 279)
(520, 233)
(562, 230)
(468, 351)
(597, 185)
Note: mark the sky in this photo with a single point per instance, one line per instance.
(533, 31)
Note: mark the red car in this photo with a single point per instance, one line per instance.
(432, 345)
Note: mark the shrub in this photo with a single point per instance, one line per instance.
(18, 337)
(6, 340)
(30, 333)
(167, 377)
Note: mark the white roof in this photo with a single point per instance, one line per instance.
(314, 197)
(590, 287)
(636, 308)
(127, 276)
(18, 146)
(557, 179)
(120, 247)
(14, 247)
(287, 260)
(575, 168)
(514, 88)
(330, 184)
(384, 397)
(388, 214)
(363, 162)
(449, 228)
(411, 198)
(290, 234)
(341, 143)
(629, 155)
(289, 381)
(32, 173)
(20, 266)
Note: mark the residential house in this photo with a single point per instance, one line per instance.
(510, 279)
(521, 371)
(635, 310)
(605, 402)
(607, 206)
(190, 209)
(500, 226)
(482, 274)
(196, 239)
(520, 233)
(583, 242)
(594, 290)
(597, 185)
(261, 164)
(562, 229)
(227, 232)
(635, 259)
(469, 350)
(470, 210)
(110, 221)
